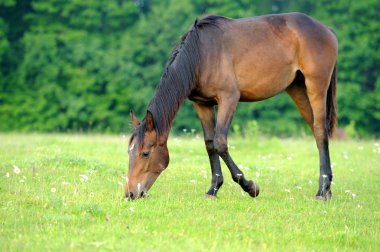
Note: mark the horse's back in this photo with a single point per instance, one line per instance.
(261, 55)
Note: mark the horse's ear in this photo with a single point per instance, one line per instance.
(135, 121)
(149, 121)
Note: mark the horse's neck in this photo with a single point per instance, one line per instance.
(176, 84)
(165, 104)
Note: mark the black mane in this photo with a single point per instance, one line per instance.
(179, 78)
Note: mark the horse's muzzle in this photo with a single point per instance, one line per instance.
(132, 196)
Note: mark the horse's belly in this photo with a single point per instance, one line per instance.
(260, 87)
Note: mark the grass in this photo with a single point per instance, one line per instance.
(66, 196)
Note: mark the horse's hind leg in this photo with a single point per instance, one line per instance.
(297, 91)
(207, 117)
(226, 109)
(317, 92)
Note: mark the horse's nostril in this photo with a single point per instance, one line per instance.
(131, 195)
(142, 194)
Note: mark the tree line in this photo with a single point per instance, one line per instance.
(82, 65)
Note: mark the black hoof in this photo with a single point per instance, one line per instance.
(209, 196)
(253, 190)
(325, 197)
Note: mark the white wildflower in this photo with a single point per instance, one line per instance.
(83, 177)
(288, 191)
(91, 194)
(120, 184)
(16, 169)
(7, 175)
(53, 189)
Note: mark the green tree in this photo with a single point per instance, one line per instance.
(82, 65)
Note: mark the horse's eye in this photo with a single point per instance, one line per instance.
(145, 154)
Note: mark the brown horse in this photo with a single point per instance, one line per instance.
(222, 61)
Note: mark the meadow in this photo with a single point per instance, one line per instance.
(64, 192)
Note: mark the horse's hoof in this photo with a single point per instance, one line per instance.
(209, 196)
(325, 197)
(254, 189)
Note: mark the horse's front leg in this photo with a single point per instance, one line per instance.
(226, 110)
(207, 117)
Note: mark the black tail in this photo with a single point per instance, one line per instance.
(331, 106)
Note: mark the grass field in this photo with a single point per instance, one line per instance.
(64, 193)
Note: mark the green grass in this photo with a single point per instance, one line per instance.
(47, 207)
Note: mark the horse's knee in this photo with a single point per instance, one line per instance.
(220, 145)
(210, 146)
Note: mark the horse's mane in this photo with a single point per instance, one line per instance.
(179, 77)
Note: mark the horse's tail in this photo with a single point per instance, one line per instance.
(331, 106)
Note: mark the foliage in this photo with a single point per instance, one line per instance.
(252, 130)
(82, 65)
(65, 196)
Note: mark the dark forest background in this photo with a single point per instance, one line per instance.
(73, 66)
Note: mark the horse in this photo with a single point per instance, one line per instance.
(222, 61)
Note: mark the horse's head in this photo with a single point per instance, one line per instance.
(148, 157)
